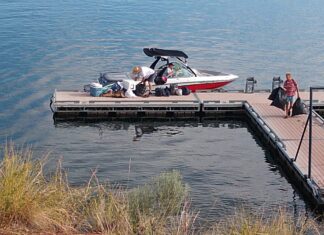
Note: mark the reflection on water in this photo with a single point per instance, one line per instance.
(140, 130)
(222, 160)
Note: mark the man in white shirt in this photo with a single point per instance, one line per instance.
(170, 71)
(145, 74)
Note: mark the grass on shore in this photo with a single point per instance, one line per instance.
(34, 203)
(258, 224)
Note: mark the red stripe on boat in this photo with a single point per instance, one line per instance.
(206, 86)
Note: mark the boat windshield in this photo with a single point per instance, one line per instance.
(181, 70)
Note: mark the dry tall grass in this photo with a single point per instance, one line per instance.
(30, 201)
(34, 203)
(279, 223)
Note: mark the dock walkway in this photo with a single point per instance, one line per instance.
(284, 135)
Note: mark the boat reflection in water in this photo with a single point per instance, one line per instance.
(147, 126)
(140, 130)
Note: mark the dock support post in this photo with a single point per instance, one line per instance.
(249, 85)
(276, 82)
(310, 132)
(301, 140)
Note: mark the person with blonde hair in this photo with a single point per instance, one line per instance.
(290, 87)
(144, 74)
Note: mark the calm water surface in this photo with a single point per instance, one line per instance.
(223, 162)
(46, 45)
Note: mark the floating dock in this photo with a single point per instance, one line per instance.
(305, 167)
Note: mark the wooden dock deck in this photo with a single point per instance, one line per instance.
(282, 134)
(74, 103)
(285, 135)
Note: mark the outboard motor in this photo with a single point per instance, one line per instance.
(104, 79)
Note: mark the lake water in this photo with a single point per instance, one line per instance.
(46, 45)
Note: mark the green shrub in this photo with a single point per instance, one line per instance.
(162, 197)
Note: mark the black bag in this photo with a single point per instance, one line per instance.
(140, 89)
(185, 91)
(298, 107)
(160, 80)
(273, 94)
(158, 91)
(162, 91)
(280, 99)
(167, 91)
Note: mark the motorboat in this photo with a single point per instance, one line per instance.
(183, 76)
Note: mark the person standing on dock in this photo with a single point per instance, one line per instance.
(290, 87)
(145, 74)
